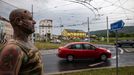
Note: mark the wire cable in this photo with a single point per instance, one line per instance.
(9, 4)
(122, 6)
(119, 6)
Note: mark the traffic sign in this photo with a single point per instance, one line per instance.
(117, 25)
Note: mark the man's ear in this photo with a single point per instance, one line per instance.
(18, 21)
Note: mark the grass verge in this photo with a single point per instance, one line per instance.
(46, 45)
(129, 70)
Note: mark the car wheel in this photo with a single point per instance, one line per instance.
(103, 57)
(70, 58)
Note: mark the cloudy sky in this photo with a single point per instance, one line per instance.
(72, 14)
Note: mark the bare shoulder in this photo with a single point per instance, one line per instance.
(11, 49)
(9, 57)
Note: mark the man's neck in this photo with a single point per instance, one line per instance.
(20, 35)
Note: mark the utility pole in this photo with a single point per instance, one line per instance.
(61, 26)
(107, 30)
(88, 29)
(32, 37)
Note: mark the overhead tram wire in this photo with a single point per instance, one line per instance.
(9, 4)
(109, 5)
(123, 9)
(85, 6)
(119, 6)
(56, 7)
(85, 23)
(71, 25)
(91, 6)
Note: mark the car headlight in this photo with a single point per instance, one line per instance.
(109, 51)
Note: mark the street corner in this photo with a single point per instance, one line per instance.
(128, 50)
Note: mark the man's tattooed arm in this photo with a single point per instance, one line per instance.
(10, 60)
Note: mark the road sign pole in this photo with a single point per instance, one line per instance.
(115, 27)
(116, 33)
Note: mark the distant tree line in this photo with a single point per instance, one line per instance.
(112, 34)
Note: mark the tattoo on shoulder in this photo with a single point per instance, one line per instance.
(9, 59)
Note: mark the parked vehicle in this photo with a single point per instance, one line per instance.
(125, 43)
(56, 41)
(82, 50)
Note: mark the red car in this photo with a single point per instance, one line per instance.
(80, 50)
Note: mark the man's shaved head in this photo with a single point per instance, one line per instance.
(22, 19)
(18, 13)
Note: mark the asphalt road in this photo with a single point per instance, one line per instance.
(52, 63)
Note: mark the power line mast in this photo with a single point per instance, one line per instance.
(61, 26)
(107, 30)
(88, 33)
(32, 35)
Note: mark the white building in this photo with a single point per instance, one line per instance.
(45, 29)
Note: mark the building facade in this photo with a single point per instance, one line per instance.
(45, 29)
(73, 33)
(6, 30)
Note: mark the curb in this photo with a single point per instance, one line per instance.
(63, 72)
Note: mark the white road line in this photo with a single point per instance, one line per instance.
(122, 51)
(127, 50)
(114, 57)
(92, 65)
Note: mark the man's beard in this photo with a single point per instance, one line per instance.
(27, 30)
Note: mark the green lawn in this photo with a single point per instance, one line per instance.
(47, 45)
(107, 71)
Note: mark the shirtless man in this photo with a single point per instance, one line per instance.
(19, 56)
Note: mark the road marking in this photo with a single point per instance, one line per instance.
(122, 51)
(114, 57)
(128, 49)
(92, 65)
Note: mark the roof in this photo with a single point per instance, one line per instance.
(74, 30)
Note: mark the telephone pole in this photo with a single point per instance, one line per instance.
(61, 26)
(107, 30)
(32, 36)
(88, 33)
